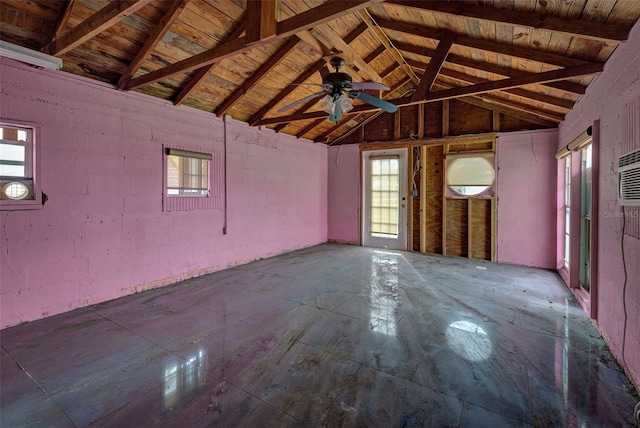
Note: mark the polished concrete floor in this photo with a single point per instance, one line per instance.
(331, 336)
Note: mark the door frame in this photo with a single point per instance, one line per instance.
(403, 217)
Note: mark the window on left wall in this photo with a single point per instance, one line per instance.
(187, 173)
(191, 179)
(19, 167)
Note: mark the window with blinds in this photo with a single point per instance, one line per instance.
(187, 173)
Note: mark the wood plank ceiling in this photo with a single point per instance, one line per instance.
(530, 59)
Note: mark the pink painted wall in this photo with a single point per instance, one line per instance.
(103, 233)
(526, 188)
(344, 194)
(605, 99)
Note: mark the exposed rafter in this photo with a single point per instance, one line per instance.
(309, 19)
(275, 100)
(96, 24)
(430, 75)
(63, 18)
(571, 27)
(523, 93)
(566, 85)
(255, 78)
(514, 82)
(154, 38)
(203, 72)
(384, 40)
(483, 45)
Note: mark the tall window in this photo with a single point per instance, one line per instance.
(187, 173)
(18, 178)
(385, 194)
(567, 207)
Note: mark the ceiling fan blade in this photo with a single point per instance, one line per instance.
(324, 85)
(301, 101)
(369, 85)
(338, 111)
(374, 101)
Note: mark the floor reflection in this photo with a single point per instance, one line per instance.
(184, 379)
(383, 292)
(469, 340)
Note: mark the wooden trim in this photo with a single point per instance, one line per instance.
(410, 168)
(445, 118)
(396, 125)
(423, 200)
(98, 22)
(495, 121)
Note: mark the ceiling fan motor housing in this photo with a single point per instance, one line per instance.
(337, 78)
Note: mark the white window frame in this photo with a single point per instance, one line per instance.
(479, 181)
(208, 201)
(184, 155)
(31, 177)
(567, 210)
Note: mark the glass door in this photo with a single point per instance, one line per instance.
(585, 221)
(384, 222)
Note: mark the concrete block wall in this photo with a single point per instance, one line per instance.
(103, 233)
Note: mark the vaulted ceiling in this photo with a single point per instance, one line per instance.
(529, 59)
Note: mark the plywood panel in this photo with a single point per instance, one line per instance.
(434, 174)
(456, 227)
(480, 220)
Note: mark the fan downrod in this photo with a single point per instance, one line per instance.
(337, 63)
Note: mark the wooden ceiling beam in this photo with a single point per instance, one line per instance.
(514, 82)
(369, 58)
(384, 40)
(324, 70)
(343, 122)
(484, 45)
(275, 100)
(431, 73)
(286, 28)
(256, 76)
(523, 93)
(63, 18)
(570, 27)
(154, 38)
(261, 20)
(106, 17)
(565, 85)
(349, 52)
(203, 72)
(457, 92)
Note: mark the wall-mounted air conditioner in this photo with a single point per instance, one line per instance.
(629, 178)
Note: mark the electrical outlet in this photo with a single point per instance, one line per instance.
(415, 193)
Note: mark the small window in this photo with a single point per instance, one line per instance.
(187, 173)
(470, 174)
(19, 188)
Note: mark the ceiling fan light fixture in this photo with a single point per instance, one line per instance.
(346, 103)
(327, 104)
